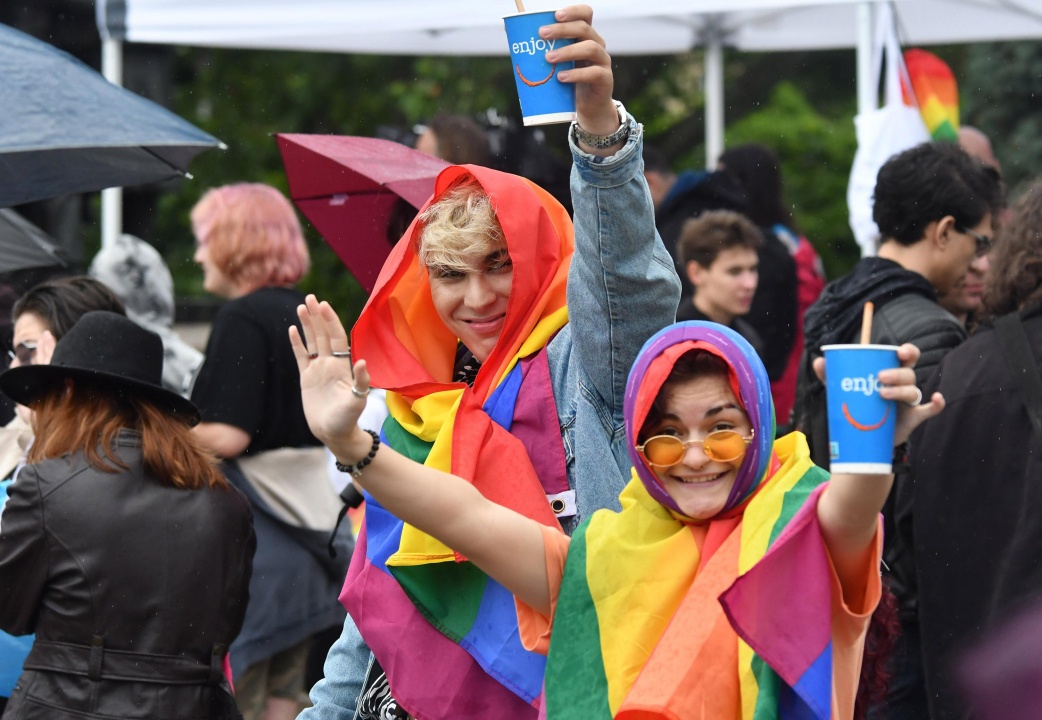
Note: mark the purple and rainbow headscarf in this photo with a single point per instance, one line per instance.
(748, 381)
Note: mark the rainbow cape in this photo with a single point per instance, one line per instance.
(934, 86)
(674, 612)
(445, 634)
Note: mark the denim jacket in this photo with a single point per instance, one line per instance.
(622, 289)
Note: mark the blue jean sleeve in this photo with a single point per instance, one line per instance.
(335, 696)
(622, 285)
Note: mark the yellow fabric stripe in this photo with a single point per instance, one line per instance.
(757, 526)
(765, 508)
(416, 547)
(655, 553)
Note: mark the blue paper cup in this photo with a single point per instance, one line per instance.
(861, 423)
(544, 99)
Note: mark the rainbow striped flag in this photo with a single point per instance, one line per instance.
(445, 634)
(673, 611)
(937, 92)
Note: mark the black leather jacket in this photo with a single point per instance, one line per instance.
(135, 590)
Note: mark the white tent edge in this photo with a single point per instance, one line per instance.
(111, 15)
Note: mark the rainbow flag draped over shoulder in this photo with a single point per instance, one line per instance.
(660, 615)
(937, 92)
(445, 634)
(672, 650)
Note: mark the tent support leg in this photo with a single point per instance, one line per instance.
(866, 94)
(714, 93)
(111, 198)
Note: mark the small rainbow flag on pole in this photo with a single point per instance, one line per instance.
(934, 86)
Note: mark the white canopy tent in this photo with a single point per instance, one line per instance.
(470, 27)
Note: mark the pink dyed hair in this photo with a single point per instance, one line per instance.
(253, 235)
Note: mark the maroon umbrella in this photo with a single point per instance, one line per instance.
(348, 188)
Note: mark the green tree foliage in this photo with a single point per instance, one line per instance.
(1001, 94)
(243, 97)
(816, 153)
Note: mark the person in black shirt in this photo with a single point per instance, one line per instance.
(252, 252)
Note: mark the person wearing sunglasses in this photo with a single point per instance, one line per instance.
(41, 317)
(732, 553)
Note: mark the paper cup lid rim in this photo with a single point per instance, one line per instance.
(858, 346)
(529, 12)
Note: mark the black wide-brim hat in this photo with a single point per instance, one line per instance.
(109, 351)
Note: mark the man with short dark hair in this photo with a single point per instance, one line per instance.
(718, 252)
(935, 206)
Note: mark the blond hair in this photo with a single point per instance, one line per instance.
(460, 226)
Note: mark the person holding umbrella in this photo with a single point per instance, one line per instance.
(503, 336)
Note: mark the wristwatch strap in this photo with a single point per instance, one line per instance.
(602, 142)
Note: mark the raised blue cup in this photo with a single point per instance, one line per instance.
(544, 99)
(861, 422)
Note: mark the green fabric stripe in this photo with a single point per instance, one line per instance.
(576, 686)
(405, 442)
(795, 498)
(447, 593)
(768, 684)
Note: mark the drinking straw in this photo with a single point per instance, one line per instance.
(866, 324)
(520, 5)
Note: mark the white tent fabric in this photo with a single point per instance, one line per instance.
(473, 27)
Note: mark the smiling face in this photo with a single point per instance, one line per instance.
(690, 410)
(472, 302)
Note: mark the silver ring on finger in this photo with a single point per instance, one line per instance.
(342, 354)
(918, 397)
(361, 394)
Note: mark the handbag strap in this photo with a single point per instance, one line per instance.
(1022, 364)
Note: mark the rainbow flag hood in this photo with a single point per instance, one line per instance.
(659, 617)
(445, 634)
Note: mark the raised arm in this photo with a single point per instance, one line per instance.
(504, 544)
(622, 286)
(849, 507)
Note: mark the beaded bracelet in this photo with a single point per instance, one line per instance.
(356, 468)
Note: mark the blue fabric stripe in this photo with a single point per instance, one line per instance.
(495, 635)
(814, 688)
(500, 405)
(384, 533)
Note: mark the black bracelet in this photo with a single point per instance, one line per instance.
(356, 468)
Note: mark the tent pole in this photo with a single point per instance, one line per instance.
(714, 91)
(111, 198)
(867, 95)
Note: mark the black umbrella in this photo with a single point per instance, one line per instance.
(24, 246)
(65, 129)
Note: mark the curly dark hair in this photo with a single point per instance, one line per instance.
(929, 182)
(1015, 278)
